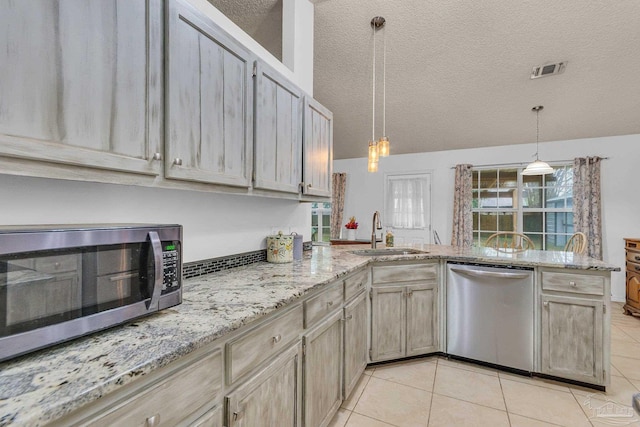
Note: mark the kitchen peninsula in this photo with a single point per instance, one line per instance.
(92, 378)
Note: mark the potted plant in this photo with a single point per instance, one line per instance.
(351, 226)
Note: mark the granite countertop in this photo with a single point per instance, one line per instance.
(41, 387)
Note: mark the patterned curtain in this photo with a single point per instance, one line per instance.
(337, 203)
(587, 206)
(462, 234)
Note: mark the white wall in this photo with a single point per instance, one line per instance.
(297, 49)
(621, 207)
(214, 224)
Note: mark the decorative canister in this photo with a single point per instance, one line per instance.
(297, 246)
(279, 248)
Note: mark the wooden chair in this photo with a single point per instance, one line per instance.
(509, 241)
(577, 243)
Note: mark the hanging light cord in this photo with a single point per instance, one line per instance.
(537, 132)
(373, 107)
(384, 82)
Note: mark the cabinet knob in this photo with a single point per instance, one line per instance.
(157, 156)
(349, 317)
(153, 421)
(277, 339)
(177, 161)
(572, 283)
(545, 303)
(329, 304)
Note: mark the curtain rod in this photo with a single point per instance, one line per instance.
(524, 163)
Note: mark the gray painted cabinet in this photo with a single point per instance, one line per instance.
(209, 101)
(322, 381)
(82, 83)
(404, 310)
(355, 342)
(318, 149)
(572, 338)
(270, 398)
(278, 132)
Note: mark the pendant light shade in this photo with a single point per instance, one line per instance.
(383, 146)
(538, 167)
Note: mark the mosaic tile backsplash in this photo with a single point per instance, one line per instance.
(212, 265)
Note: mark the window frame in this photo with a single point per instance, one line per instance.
(541, 237)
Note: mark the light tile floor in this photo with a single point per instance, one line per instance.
(437, 392)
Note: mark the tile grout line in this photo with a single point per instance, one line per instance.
(504, 400)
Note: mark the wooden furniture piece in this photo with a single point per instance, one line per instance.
(577, 243)
(632, 247)
(509, 241)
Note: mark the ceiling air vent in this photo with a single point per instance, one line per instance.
(548, 70)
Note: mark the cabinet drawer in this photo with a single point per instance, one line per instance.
(404, 273)
(575, 283)
(633, 257)
(249, 350)
(57, 264)
(633, 267)
(321, 305)
(355, 284)
(632, 244)
(171, 399)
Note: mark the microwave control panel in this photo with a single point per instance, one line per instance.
(171, 267)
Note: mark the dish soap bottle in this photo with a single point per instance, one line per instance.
(389, 239)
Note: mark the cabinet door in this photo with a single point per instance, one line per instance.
(318, 148)
(278, 132)
(323, 372)
(82, 83)
(633, 289)
(271, 397)
(209, 109)
(388, 320)
(355, 342)
(572, 338)
(422, 319)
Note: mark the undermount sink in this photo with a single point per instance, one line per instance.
(390, 251)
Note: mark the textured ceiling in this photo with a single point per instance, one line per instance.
(458, 71)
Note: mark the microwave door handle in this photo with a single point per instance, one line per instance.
(158, 279)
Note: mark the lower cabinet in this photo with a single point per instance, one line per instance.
(404, 320)
(572, 338)
(355, 342)
(573, 320)
(270, 397)
(322, 373)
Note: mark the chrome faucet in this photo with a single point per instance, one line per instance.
(376, 224)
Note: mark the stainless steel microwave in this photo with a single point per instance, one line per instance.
(59, 282)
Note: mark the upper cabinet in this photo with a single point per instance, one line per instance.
(209, 101)
(318, 149)
(278, 132)
(81, 83)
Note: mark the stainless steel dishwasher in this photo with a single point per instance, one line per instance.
(490, 314)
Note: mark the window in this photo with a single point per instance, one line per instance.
(539, 206)
(321, 222)
(406, 201)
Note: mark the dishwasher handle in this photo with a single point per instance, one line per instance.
(491, 274)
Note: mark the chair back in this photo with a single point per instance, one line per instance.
(577, 243)
(509, 241)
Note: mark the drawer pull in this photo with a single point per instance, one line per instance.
(637, 268)
(238, 415)
(572, 283)
(153, 421)
(329, 304)
(637, 257)
(349, 317)
(277, 339)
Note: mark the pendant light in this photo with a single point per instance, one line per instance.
(374, 153)
(383, 143)
(538, 167)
